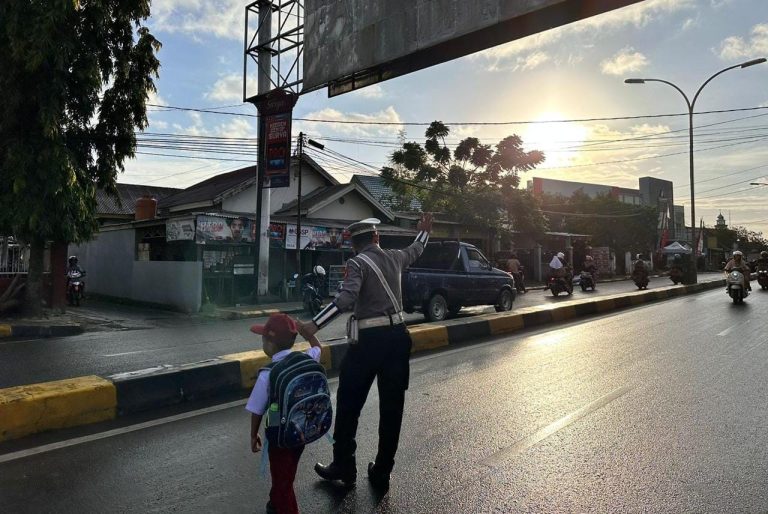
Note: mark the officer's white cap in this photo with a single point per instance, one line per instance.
(363, 226)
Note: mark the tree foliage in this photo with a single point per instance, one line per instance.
(473, 183)
(608, 222)
(75, 78)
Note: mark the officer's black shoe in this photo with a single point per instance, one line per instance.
(378, 479)
(335, 472)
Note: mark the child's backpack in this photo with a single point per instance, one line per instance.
(300, 410)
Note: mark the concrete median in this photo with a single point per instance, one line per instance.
(35, 408)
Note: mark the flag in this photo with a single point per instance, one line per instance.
(664, 227)
(700, 240)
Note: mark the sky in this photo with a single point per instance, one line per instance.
(574, 72)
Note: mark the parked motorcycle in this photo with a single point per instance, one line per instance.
(735, 286)
(311, 284)
(75, 287)
(762, 278)
(559, 285)
(586, 280)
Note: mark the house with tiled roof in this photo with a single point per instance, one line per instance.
(197, 245)
(121, 208)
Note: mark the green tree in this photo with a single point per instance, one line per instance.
(608, 222)
(76, 75)
(473, 183)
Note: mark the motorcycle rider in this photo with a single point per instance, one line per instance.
(591, 267)
(639, 271)
(73, 266)
(737, 262)
(513, 266)
(762, 262)
(559, 268)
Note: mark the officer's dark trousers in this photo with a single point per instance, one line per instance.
(381, 353)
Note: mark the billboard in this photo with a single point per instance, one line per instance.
(220, 229)
(349, 44)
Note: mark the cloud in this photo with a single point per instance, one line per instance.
(222, 18)
(227, 88)
(689, 23)
(371, 92)
(624, 61)
(238, 127)
(388, 115)
(737, 47)
(505, 57)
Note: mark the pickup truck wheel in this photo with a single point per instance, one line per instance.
(505, 301)
(437, 308)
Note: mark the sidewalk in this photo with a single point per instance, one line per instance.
(53, 325)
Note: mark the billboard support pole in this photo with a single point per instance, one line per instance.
(261, 241)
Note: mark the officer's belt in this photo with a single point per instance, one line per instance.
(381, 321)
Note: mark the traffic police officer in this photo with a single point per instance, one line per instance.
(380, 348)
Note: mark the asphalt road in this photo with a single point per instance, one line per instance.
(134, 338)
(661, 408)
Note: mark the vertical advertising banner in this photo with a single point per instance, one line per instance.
(276, 110)
(278, 162)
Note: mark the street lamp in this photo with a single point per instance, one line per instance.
(691, 105)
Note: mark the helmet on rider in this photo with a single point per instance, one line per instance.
(677, 257)
(764, 255)
(72, 260)
(560, 255)
(737, 255)
(319, 270)
(589, 258)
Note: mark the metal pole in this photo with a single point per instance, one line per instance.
(261, 248)
(298, 207)
(694, 245)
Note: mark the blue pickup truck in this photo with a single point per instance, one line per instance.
(450, 275)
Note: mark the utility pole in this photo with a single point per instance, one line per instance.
(298, 207)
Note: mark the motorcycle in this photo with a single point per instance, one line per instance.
(762, 278)
(310, 293)
(676, 275)
(75, 287)
(641, 280)
(586, 280)
(519, 279)
(559, 285)
(735, 287)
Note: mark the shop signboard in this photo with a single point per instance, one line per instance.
(180, 230)
(290, 237)
(219, 228)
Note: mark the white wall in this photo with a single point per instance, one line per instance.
(175, 283)
(353, 208)
(245, 201)
(111, 270)
(108, 262)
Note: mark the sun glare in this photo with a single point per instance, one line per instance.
(559, 141)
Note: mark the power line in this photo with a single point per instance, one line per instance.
(474, 123)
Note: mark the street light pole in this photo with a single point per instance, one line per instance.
(691, 104)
